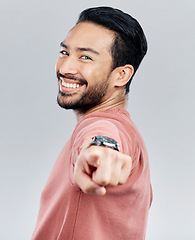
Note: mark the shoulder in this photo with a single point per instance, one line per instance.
(109, 121)
(114, 123)
(89, 128)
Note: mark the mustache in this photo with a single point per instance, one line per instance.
(69, 76)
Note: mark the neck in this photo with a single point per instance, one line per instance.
(106, 105)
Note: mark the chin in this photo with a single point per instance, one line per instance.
(65, 102)
(62, 102)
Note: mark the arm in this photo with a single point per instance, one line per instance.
(97, 167)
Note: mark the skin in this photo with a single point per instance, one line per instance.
(86, 62)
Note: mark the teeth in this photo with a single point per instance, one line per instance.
(70, 85)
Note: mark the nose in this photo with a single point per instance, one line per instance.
(67, 65)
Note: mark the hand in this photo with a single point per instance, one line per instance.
(97, 167)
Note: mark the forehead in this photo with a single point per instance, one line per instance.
(86, 34)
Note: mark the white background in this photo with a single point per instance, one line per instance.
(33, 128)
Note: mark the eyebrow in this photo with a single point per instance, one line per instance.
(83, 49)
(64, 45)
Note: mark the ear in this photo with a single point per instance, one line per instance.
(124, 74)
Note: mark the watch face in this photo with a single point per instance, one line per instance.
(105, 141)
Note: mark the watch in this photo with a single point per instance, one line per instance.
(100, 140)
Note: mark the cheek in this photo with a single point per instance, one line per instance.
(87, 72)
(95, 73)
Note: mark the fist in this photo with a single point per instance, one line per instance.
(98, 167)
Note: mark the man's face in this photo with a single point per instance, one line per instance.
(84, 67)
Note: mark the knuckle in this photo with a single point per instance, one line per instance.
(114, 183)
(122, 181)
(124, 177)
(104, 181)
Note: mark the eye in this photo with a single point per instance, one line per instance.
(86, 57)
(64, 52)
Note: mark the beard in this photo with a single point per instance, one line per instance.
(87, 100)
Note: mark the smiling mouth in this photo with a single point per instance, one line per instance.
(69, 82)
(69, 85)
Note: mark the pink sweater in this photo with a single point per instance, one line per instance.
(66, 213)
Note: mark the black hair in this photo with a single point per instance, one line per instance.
(130, 44)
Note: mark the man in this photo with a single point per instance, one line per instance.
(99, 187)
